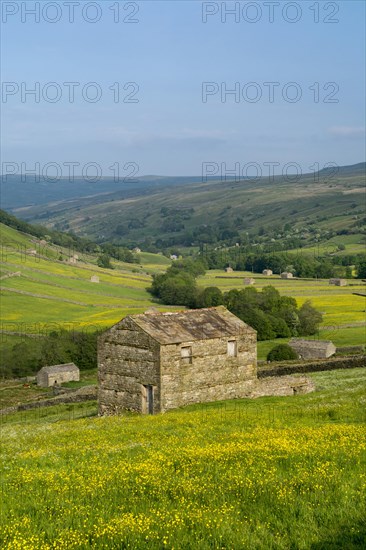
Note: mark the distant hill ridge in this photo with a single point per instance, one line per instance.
(19, 191)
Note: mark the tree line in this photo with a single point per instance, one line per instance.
(28, 355)
(269, 313)
(300, 263)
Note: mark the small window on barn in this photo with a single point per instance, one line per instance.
(186, 355)
(232, 348)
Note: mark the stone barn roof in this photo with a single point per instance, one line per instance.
(313, 344)
(313, 348)
(55, 369)
(191, 325)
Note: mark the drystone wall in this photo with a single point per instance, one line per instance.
(280, 369)
(282, 386)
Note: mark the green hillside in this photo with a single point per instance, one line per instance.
(42, 292)
(48, 290)
(51, 310)
(312, 209)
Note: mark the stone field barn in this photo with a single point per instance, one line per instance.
(313, 349)
(156, 361)
(48, 376)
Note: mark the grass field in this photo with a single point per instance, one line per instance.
(14, 392)
(353, 244)
(50, 294)
(273, 473)
(49, 291)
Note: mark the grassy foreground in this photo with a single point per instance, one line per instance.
(274, 473)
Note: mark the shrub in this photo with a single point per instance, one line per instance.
(282, 352)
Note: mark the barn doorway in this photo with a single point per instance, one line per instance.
(147, 399)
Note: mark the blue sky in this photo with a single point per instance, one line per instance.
(168, 54)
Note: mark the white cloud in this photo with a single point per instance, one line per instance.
(347, 131)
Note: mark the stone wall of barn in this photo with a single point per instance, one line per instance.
(212, 375)
(42, 379)
(47, 380)
(62, 377)
(307, 350)
(128, 360)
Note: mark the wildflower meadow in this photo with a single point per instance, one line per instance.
(274, 473)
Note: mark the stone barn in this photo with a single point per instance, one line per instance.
(249, 281)
(286, 275)
(158, 361)
(58, 374)
(313, 349)
(338, 282)
(267, 272)
(229, 269)
(94, 279)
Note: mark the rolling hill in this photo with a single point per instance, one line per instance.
(40, 289)
(40, 292)
(168, 212)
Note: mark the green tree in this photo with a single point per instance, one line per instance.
(23, 359)
(269, 299)
(210, 297)
(104, 261)
(157, 281)
(348, 272)
(258, 320)
(324, 270)
(361, 269)
(309, 318)
(279, 326)
(53, 351)
(193, 267)
(179, 290)
(83, 349)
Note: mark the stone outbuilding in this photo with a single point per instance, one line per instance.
(158, 361)
(312, 349)
(249, 281)
(267, 272)
(57, 374)
(94, 279)
(229, 269)
(286, 275)
(337, 282)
